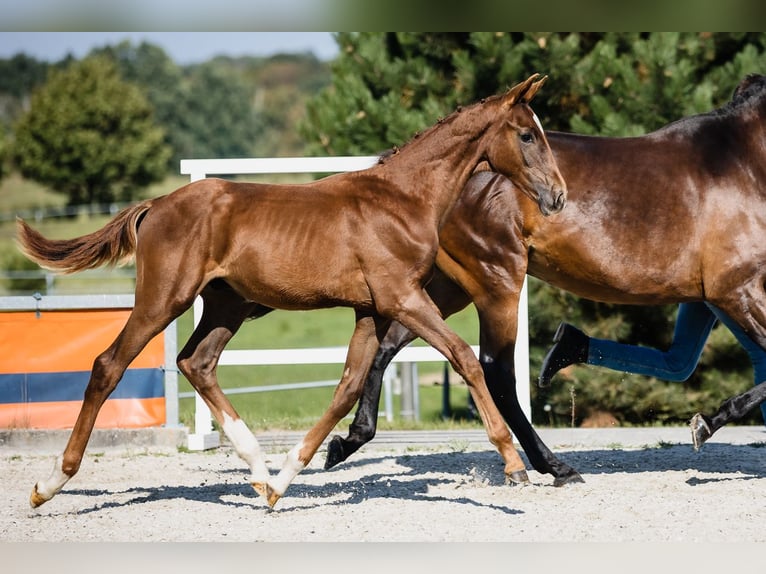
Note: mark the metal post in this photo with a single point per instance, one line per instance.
(446, 405)
(171, 376)
(407, 410)
(388, 376)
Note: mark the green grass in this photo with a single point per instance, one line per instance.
(296, 409)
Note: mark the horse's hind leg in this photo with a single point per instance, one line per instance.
(361, 352)
(362, 429)
(745, 317)
(108, 369)
(703, 427)
(222, 315)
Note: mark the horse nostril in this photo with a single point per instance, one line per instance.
(561, 200)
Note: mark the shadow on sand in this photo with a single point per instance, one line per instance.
(411, 480)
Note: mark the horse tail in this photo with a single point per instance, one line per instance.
(113, 244)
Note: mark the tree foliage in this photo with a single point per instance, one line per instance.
(90, 135)
(226, 107)
(387, 86)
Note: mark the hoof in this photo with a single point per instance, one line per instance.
(572, 477)
(517, 477)
(335, 452)
(36, 499)
(265, 491)
(700, 430)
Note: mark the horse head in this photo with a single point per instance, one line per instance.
(520, 147)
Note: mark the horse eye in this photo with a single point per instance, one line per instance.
(527, 137)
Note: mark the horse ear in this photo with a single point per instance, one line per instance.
(533, 89)
(518, 92)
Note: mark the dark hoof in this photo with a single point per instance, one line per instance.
(700, 430)
(572, 477)
(517, 477)
(335, 452)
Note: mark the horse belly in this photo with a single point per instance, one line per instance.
(300, 284)
(621, 281)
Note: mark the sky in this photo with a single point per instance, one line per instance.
(182, 47)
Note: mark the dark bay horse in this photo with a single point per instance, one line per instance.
(366, 240)
(676, 215)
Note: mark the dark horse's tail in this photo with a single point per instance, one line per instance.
(113, 244)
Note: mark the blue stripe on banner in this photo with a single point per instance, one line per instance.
(54, 387)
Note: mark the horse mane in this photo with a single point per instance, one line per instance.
(751, 88)
(387, 154)
(750, 85)
(749, 93)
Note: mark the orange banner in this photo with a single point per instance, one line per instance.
(116, 413)
(45, 363)
(65, 341)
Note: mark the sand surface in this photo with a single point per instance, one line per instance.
(453, 491)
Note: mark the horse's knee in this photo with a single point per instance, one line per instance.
(472, 371)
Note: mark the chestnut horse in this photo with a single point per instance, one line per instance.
(676, 215)
(366, 240)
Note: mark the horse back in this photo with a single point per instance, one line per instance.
(320, 239)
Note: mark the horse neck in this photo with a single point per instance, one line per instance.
(444, 159)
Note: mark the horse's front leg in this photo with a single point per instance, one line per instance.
(422, 317)
(362, 348)
(744, 313)
(499, 321)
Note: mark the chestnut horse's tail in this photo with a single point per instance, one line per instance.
(113, 244)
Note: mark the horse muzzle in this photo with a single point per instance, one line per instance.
(552, 201)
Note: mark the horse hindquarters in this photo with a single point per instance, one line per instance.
(162, 294)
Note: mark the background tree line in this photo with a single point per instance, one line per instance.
(103, 128)
(382, 88)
